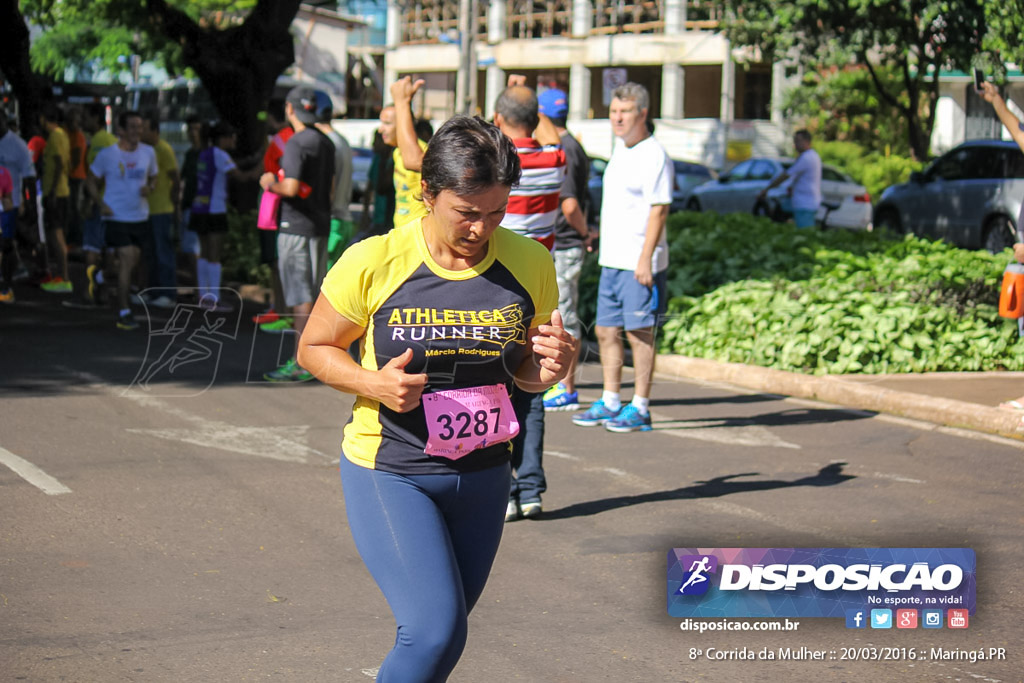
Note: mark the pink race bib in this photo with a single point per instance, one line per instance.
(460, 421)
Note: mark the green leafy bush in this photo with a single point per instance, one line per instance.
(874, 170)
(748, 290)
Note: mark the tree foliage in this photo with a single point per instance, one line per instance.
(237, 48)
(106, 33)
(843, 104)
(914, 39)
(1005, 26)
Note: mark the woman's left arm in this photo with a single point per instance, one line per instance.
(553, 351)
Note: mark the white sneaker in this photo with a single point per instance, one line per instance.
(512, 511)
(530, 510)
(163, 302)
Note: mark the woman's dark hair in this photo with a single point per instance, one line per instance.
(467, 155)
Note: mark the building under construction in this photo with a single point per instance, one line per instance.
(673, 47)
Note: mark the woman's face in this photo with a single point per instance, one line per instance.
(466, 222)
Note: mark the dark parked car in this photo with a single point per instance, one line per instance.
(970, 196)
(361, 159)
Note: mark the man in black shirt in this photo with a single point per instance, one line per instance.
(305, 220)
(572, 239)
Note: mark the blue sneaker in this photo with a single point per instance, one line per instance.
(629, 419)
(596, 414)
(557, 399)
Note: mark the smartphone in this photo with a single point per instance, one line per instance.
(979, 78)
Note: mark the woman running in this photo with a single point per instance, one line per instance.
(451, 313)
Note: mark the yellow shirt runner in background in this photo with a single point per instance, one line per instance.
(408, 203)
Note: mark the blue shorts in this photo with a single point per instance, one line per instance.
(804, 218)
(8, 223)
(623, 302)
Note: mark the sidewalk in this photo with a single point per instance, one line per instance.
(967, 400)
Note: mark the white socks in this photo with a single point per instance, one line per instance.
(208, 274)
(613, 402)
(203, 276)
(641, 404)
(214, 279)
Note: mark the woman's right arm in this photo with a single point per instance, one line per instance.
(323, 350)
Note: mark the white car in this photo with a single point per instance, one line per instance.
(738, 190)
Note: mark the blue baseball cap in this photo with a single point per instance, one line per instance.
(553, 103)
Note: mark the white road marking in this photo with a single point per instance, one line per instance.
(563, 456)
(275, 443)
(896, 477)
(32, 474)
(285, 443)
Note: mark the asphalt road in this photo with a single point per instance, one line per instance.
(193, 529)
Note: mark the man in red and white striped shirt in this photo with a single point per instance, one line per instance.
(533, 203)
(532, 209)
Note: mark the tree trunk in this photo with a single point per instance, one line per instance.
(17, 67)
(238, 66)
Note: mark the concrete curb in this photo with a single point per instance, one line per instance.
(836, 389)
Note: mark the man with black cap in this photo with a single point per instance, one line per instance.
(572, 238)
(305, 220)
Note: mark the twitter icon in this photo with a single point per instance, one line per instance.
(881, 618)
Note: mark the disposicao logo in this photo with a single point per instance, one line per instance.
(817, 582)
(695, 581)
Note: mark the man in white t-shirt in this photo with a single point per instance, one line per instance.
(633, 259)
(805, 192)
(128, 171)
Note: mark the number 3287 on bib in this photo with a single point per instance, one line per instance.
(460, 421)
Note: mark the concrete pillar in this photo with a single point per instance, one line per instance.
(673, 91)
(579, 91)
(495, 81)
(495, 85)
(728, 85)
(675, 17)
(465, 46)
(673, 76)
(392, 39)
(579, 73)
(582, 19)
(778, 93)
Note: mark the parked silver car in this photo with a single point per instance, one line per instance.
(970, 196)
(738, 190)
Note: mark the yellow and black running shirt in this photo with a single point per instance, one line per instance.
(466, 328)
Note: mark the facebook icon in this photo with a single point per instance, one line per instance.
(855, 618)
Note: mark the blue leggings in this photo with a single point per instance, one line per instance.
(429, 541)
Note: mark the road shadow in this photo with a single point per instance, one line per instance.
(781, 418)
(50, 349)
(830, 475)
